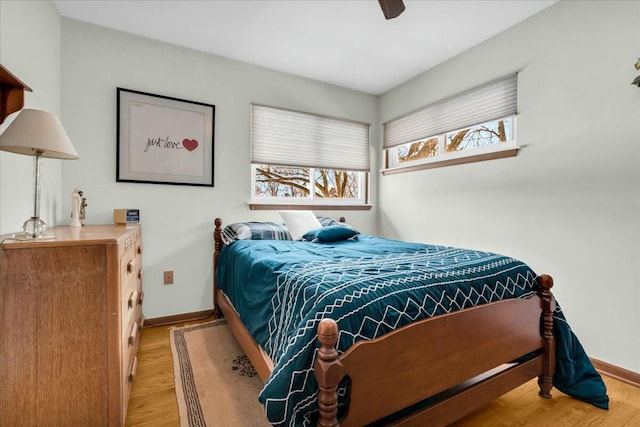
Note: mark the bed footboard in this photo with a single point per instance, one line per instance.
(462, 355)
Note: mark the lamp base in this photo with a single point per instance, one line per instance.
(34, 227)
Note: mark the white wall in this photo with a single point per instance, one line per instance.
(569, 203)
(30, 49)
(177, 221)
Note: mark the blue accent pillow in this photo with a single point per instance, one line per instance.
(330, 233)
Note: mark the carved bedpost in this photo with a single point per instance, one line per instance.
(328, 371)
(217, 242)
(342, 219)
(545, 381)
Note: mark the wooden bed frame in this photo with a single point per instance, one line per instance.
(461, 359)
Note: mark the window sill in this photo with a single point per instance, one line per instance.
(511, 152)
(283, 207)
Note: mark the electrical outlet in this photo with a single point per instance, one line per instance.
(168, 277)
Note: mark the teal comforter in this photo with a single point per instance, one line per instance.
(370, 286)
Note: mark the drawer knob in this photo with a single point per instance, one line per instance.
(133, 334)
(133, 369)
(140, 249)
(130, 266)
(133, 297)
(140, 298)
(140, 274)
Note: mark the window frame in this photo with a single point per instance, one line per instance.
(481, 105)
(320, 203)
(443, 158)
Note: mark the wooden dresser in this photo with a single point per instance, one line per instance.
(71, 321)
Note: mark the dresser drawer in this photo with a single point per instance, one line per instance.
(130, 344)
(131, 340)
(132, 335)
(130, 368)
(133, 238)
(128, 267)
(131, 303)
(129, 306)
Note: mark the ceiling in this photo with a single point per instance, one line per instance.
(343, 42)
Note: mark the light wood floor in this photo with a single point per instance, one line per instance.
(153, 399)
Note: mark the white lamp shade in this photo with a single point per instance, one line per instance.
(38, 131)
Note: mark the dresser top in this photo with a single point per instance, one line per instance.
(67, 235)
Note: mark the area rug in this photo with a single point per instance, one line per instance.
(216, 385)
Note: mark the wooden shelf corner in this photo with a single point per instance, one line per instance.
(11, 93)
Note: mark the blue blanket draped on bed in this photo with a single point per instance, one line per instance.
(370, 286)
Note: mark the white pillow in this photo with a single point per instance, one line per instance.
(299, 222)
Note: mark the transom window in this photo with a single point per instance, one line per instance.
(476, 125)
(301, 158)
(490, 137)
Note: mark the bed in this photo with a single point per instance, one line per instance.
(369, 331)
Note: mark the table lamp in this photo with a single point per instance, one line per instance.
(39, 134)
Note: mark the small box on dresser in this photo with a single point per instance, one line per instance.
(71, 320)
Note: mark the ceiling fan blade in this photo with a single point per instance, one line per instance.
(391, 8)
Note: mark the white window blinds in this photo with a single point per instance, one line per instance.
(491, 101)
(291, 138)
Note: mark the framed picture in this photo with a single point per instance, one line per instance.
(164, 140)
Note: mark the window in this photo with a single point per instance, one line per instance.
(305, 159)
(476, 125)
(484, 139)
(285, 182)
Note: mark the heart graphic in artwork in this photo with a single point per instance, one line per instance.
(190, 144)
